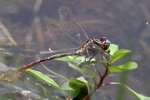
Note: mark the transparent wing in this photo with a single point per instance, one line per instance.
(70, 33)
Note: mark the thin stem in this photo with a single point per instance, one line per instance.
(102, 78)
(30, 65)
(101, 81)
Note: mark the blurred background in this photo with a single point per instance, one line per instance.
(28, 27)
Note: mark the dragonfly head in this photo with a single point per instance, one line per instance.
(104, 43)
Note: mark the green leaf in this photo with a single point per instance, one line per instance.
(124, 67)
(119, 54)
(65, 86)
(76, 84)
(71, 88)
(113, 48)
(43, 77)
(80, 89)
(66, 90)
(138, 95)
(83, 80)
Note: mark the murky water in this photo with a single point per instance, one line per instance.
(32, 26)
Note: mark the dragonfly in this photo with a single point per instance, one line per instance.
(89, 49)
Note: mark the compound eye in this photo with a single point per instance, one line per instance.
(103, 39)
(105, 43)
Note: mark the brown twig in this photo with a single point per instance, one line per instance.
(30, 65)
(102, 77)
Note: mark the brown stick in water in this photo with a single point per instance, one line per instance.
(30, 65)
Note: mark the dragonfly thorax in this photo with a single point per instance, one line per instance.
(94, 46)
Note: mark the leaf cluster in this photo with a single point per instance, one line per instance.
(79, 88)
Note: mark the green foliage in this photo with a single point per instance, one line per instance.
(113, 48)
(119, 54)
(124, 67)
(78, 88)
(43, 78)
